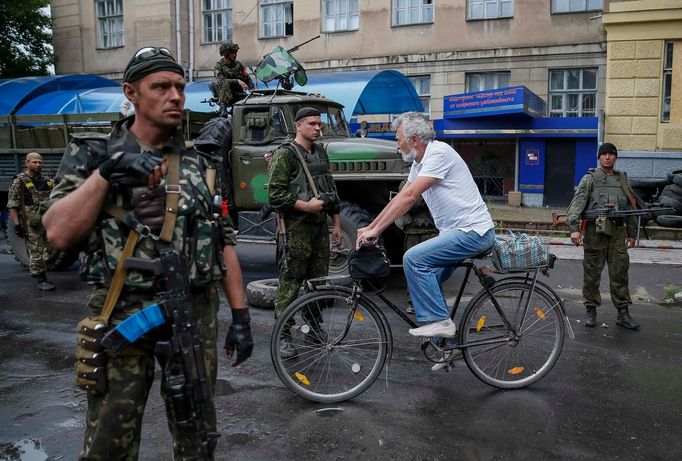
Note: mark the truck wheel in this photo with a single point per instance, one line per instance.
(353, 217)
(18, 245)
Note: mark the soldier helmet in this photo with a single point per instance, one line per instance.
(226, 47)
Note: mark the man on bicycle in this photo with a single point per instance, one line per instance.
(464, 224)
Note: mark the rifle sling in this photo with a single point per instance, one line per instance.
(626, 189)
(172, 199)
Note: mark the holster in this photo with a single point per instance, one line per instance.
(91, 359)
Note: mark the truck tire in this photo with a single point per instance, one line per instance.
(648, 183)
(670, 221)
(57, 260)
(672, 201)
(261, 293)
(677, 179)
(353, 217)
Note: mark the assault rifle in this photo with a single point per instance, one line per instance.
(181, 354)
(600, 215)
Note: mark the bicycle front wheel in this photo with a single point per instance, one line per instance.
(514, 338)
(329, 346)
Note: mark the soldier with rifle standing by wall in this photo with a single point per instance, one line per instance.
(140, 192)
(605, 239)
(28, 190)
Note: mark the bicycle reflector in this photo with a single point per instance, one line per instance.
(540, 314)
(480, 324)
(516, 370)
(302, 378)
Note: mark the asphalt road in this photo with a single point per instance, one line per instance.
(614, 394)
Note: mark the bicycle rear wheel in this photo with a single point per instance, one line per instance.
(340, 344)
(521, 351)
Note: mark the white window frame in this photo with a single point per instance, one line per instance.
(564, 95)
(216, 12)
(422, 84)
(110, 26)
(276, 18)
(666, 99)
(495, 77)
(340, 15)
(576, 6)
(410, 12)
(489, 9)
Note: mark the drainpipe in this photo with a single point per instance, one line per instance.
(191, 40)
(600, 127)
(178, 35)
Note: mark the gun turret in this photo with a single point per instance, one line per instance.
(280, 65)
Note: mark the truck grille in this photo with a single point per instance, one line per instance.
(359, 166)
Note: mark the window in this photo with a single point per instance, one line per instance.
(339, 15)
(276, 18)
(109, 23)
(422, 83)
(487, 81)
(667, 81)
(216, 18)
(490, 9)
(574, 6)
(572, 92)
(412, 12)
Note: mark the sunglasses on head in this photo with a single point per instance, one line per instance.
(149, 52)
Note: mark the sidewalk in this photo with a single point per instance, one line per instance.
(539, 220)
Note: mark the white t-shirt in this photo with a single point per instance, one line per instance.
(454, 201)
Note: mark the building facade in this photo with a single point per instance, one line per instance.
(644, 85)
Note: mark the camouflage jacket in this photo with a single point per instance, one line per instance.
(594, 191)
(27, 199)
(232, 72)
(195, 234)
(284, 181)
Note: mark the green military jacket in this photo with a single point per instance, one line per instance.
(595, 190)
(26, 193)
(196, 230)
(287, 182)
(232, 72)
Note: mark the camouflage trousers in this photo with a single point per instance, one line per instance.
(304, 255)
(413, 239)
(114, 420)
(227, 95)
(599, 250)
(38, 250)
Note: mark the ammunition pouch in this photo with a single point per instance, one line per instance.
(91, 359)
(33, 216)
(604, 226)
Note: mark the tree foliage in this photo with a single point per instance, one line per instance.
(25, 38)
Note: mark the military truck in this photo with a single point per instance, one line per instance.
(367, 171)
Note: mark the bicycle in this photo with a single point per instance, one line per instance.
(510, 335)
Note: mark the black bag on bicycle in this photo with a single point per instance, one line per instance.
(368, 262)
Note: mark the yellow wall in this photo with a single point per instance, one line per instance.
(636, 33)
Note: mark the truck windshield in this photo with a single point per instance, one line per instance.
(333, 121)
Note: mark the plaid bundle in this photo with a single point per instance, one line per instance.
(519, 252)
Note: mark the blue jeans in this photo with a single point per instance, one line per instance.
(430, 263)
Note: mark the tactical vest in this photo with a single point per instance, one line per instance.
(607, 189)
(194, 234)
(318, 165)
(31, 213)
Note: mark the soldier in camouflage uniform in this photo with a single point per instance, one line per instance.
(418, 226)
(128, 169)
(232, 79)
(606, 243)
(28, 190)
(303, 235)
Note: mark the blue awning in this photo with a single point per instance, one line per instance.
(14, 93)
(361, 93)
(106, 99)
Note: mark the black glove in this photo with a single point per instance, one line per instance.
(239, 336)
(128, 168)
(20, 231)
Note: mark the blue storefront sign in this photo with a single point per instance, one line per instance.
(512, 100)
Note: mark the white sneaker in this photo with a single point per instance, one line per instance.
(445, 328)
(449, 357)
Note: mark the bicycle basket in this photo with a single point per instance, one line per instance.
(519, 252)
(368, 262)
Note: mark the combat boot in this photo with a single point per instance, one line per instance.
(43, 283)
(625, 320)
(591, 316)
(287, 350)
